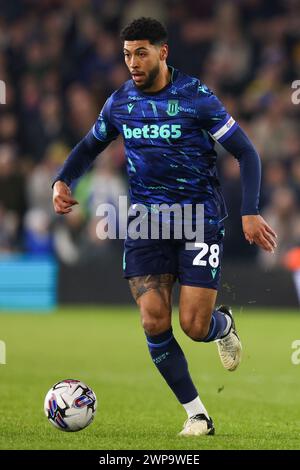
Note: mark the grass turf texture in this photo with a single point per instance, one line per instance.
(255, 407)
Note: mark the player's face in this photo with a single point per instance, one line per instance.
(144, 62)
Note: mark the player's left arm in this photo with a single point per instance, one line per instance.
(256, 229)
(224, 129)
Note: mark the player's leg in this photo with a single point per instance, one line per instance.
(199, 275)
(198, 317)
(153, 294)
(201, 321)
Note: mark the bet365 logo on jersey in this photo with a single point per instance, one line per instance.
(153, 131)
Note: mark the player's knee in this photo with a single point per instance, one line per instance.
(155, 321)
(197, 330)
(155, 326)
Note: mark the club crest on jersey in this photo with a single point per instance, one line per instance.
(173, 107)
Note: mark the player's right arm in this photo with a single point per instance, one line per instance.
(62, 199)
(80, 159)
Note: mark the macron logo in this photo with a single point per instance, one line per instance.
(153, 131)
(130, 107)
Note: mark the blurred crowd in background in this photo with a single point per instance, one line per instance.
(61, 59)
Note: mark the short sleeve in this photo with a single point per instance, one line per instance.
(103, 128)
(213, 116)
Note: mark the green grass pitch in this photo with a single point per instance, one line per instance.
(255, 407)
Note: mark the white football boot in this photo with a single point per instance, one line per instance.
(230, 347)
(198, 425)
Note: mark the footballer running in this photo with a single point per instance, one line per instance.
(170, 123)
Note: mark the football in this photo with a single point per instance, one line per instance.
(70, 405)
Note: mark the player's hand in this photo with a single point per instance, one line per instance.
(256, 230)
(62, 199)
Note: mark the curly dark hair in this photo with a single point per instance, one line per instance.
(145, 28)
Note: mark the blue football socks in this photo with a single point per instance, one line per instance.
(169, 359)
(219, 326)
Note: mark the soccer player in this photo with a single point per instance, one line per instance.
(170, 123)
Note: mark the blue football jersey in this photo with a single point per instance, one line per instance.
(169, 139)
